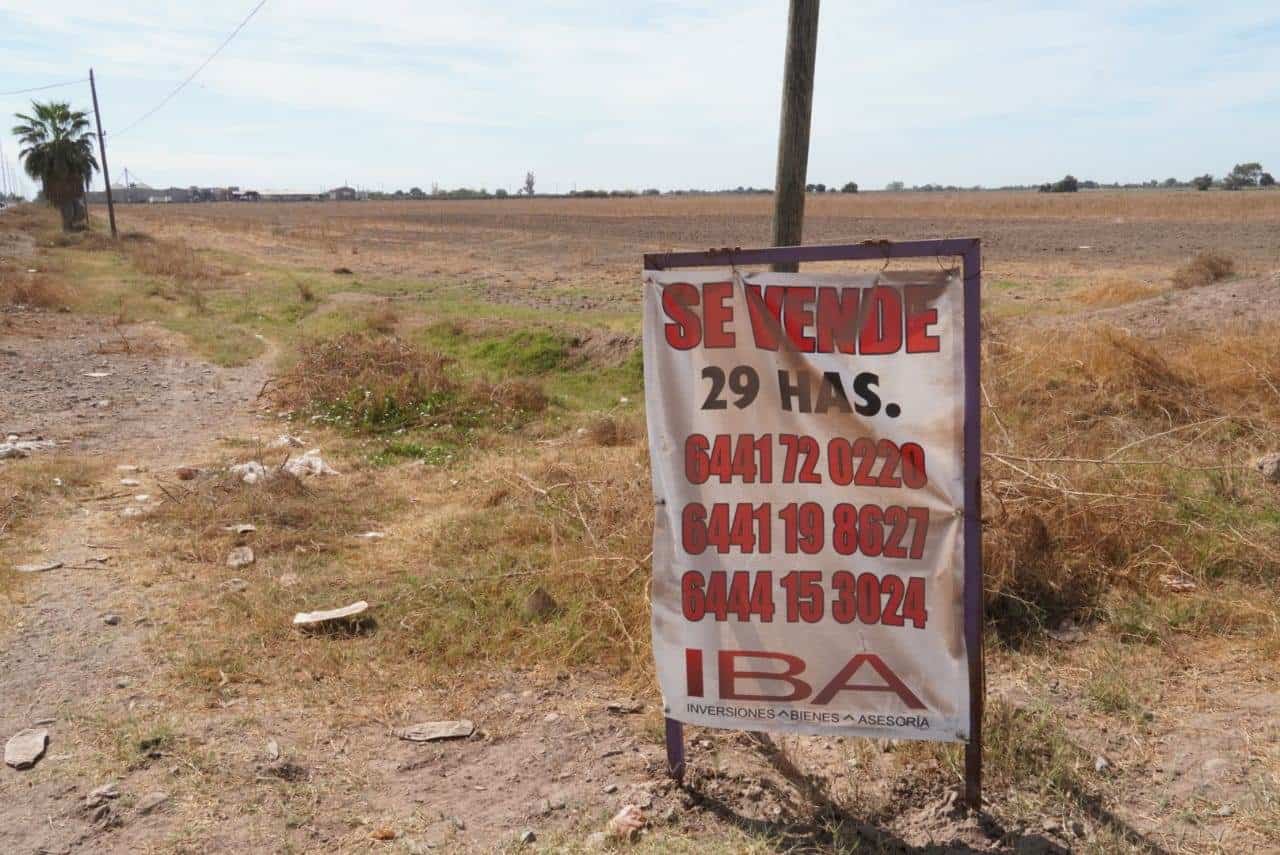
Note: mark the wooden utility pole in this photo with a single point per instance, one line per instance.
(793, 130)
(102, 150)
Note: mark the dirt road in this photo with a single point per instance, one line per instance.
(74, 656)
(84, 658)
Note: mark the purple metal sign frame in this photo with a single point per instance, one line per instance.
(969, 250)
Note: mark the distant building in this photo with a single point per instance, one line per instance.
(138, 193)
(291, 196)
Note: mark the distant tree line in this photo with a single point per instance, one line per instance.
(1241, 176)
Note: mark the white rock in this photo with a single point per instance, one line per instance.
(23, 447)
(310, 463)
(133, 511)
(430, 731)
(129, 482)
(142, 497)
(102, 795)
(97, 375)
(311, 618)
(25, 747)
(241, 528)
(627, 823)
(127, 467)
(38, 568)
(372, 535)
(250, 472)
(241, 556)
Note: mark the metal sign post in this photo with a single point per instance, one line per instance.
(969, 251)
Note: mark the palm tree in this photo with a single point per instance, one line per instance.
(57, 150)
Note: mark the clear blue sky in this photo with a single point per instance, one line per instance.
(396, 93)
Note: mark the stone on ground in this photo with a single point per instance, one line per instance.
(430, 731)
(325, 616)
(151, 801)
(25, 747)
(241, 556)
(39, 567)
(538, 604)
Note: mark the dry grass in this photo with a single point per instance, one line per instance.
(516, 394)
(382, 320)
(32, 290)
(364, 370)
(609, 430)
(33, 490)
(1114, 291)
(172, 260)
(305, 292)
(1205, 269)
(293, 516)
(1113, 461)
(26, 483)
(303, 544)
(381, 383)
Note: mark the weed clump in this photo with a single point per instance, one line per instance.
(379, 383)
(518, 395)
(1114, 292)
(608, 431)
(31, 290)
(368, 381)
(1205, 269)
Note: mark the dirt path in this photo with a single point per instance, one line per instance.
(74, 657)
(81, 660)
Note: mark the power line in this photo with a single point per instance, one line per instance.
(42, 88)
(199, 68)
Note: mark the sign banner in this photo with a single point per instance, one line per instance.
(806, 433)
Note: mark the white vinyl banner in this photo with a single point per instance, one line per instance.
(806, 433)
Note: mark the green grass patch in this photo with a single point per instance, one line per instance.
(398, 451)
(528, 352)
(575, 382)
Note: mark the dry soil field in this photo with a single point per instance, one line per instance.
(471, 371)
